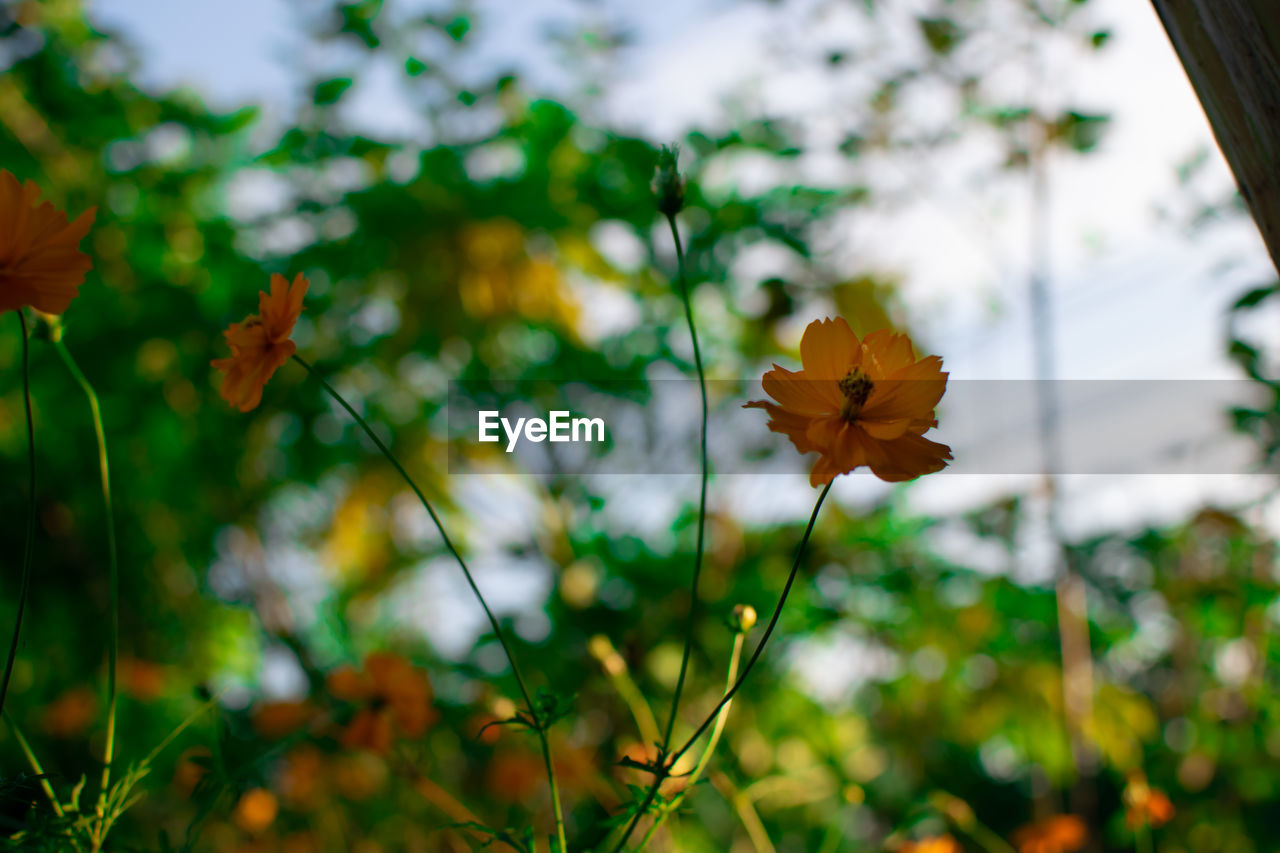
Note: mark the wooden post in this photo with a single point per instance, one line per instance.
(1231, 52)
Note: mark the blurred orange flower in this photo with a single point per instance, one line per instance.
(1145, 805)
(278, 719)
(301, 779)
(71, 713)
(192, 767)
(359, 776)
(261, 344)
(41, 264)
(395, 698)
(858, 403)
(514, 777)
(142, 679)
(936, 844)
(255, 811)
(1057, 834)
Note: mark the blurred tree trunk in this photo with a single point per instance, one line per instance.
(1231, 52)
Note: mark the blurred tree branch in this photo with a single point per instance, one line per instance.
(1231, 52)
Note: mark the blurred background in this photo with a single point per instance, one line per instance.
(1028, 187)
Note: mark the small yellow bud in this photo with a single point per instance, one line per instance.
(744, 617)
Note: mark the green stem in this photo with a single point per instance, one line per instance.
(1142, 838)
(734, 659)
(538, 725)
(113, 566)
(35, 765)
(702, 498)
(25, 583)
(662, 772)
(555, 791)
(990, 842)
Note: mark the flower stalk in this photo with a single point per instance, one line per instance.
(27, 550)
(539, 725)
(735, 658)
(702, 494)
(113, 569)
(665, 763)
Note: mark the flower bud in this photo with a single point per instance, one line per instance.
(744, 618)
(668, 186)
(50, 326)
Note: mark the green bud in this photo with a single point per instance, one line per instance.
(668, 186)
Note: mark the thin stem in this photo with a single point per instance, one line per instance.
(662, 772)
(113, 566)
(990, 842)
(768, 631)
(734, 659)
(616, 669)
(25, 583)
(35, 765)
(746, 813)
(555, 792)
(538, 726)
(1142, 838)
(702, 498)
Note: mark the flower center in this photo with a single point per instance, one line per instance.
(856, 387)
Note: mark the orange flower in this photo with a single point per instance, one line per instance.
(858, 403)
(1145, 805)
(255, 811)
(936, 844)
(1058, 834)
(280, 719)
(260, 345)
(41, 264)
(71, 713)
(514, 777)
(394, 698)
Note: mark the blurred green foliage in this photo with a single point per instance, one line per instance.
(262, 553)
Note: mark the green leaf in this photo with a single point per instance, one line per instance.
(458, 28)
(330, 91)
(1255, 296)
(942, 34)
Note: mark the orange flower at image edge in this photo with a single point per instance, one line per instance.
(261, 344)
(859, 402)
(1057, 834)
(41, 264)
(394, 699)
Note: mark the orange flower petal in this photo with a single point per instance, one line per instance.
(802, 393)
(885, 352)
(41, 264)
(829, 349)
(906, 458)
(260, 345)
